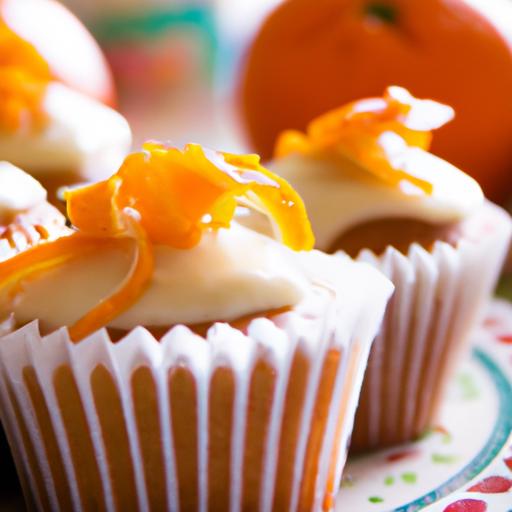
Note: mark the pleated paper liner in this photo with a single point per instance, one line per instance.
(439, 296)
(234, 421)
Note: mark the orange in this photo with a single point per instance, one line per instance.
(313, 56)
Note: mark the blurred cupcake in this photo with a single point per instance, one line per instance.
(374, 191)
(197, 364)
(55, 133)
(45, 37)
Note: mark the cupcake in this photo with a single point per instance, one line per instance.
(55, 133)
(180, 360)
(374, 191)
(26, 220)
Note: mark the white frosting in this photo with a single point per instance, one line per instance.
(81, 134)
(339, 195)
(18, 190)
(229, 274)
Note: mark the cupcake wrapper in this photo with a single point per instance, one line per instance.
(439, 297)
(254, 421)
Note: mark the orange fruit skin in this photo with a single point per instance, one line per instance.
(312, 56)
(65, 44)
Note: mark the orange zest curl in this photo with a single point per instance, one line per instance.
(22, 97)
(46, 256)
(165, 196)
(128, 292)
(49, 255)
(181, 193)
(24, 75)
(18, 53)
(374, 133)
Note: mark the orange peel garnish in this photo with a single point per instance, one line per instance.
(128, 292)
(166, 196)
(181, 193)
(48, 255)
(24, 75)
(373, 133)
(22, 96)
(18, 53)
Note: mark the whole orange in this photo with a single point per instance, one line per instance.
(313, 55)
(72, 54)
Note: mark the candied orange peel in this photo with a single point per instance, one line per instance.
(373, 133)
(24, 75)
(161, 195)
(19, 53)
(181, 193)
(22, 97)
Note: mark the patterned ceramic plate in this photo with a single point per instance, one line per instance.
(465, 463)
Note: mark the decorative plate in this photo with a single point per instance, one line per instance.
(464, 464)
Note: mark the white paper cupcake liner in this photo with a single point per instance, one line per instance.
(233, 421)
(439, 297)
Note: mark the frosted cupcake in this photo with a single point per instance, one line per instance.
(184, 362)
(26, 218)
(374, 191)
(55, 133)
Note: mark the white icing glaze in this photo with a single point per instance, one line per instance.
(18, 190)
(229, 274)
(338, 195)
(81, 135)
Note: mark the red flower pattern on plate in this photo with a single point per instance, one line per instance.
(492, 485)
(403, 454)
(467, 505)
(505, 338)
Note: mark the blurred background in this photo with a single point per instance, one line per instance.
(175, 63)
(178, 67)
